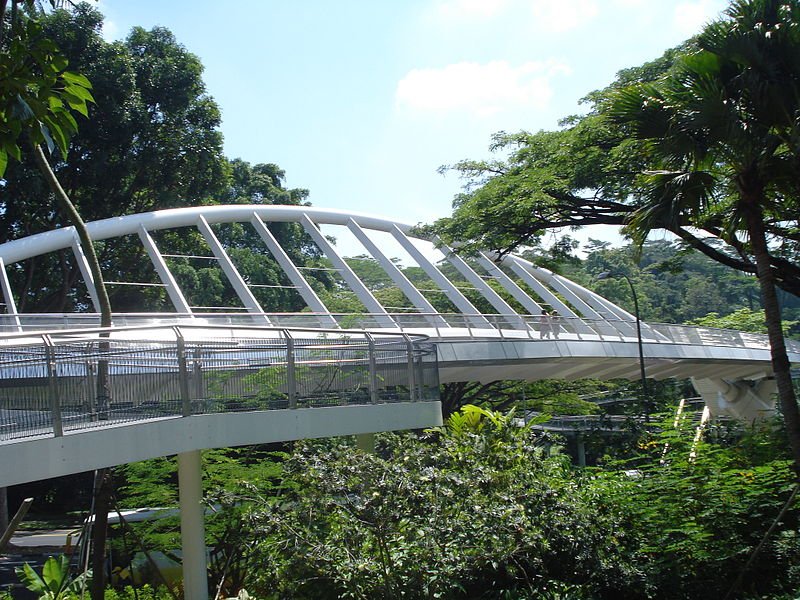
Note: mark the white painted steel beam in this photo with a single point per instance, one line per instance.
(48, 457)
(59, 239)
(173, 290)
(533, 307)
(400, 280)
(450, 290)
(8, 296)
(560, 284)
(193, 538)
(239, 286)
(500, 305)
(293, 273)
(86, 271)
(521, 270)
(352, 280)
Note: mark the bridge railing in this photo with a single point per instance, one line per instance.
(50, 381)
(436, 325)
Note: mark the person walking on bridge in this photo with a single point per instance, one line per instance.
(545, 327)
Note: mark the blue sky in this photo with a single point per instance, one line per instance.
(360, 101)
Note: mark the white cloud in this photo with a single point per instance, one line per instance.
(558, 17)
(689, 17)
(479, 89)
(630, 3)
(449, 10)
(110, 30)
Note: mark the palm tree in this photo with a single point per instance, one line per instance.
(721, 131)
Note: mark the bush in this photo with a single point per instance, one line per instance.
(483, 509)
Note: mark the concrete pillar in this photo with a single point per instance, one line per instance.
(193, 542)
(744, 399)
(581, 448)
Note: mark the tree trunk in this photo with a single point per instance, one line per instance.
(3, 508)
(102, 502)
(781, 366)
(65, 205)
(102, 492)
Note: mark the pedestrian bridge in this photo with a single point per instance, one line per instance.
(492, 329)
(247, 375)
(75, 397)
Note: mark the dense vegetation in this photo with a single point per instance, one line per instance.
(486, 508)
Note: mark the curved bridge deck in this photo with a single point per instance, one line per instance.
(177, 388)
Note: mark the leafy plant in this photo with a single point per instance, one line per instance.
(55, 582)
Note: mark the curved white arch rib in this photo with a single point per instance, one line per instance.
(550, 287)
(59, 239)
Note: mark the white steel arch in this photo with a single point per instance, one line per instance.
(571, 300)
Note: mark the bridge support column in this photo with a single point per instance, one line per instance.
(581, 450)
(746, 400)
(193, 542)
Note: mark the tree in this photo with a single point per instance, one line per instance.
(35, 103)
(585, 174)
(722, 139)
(152, 143)
(743, 319)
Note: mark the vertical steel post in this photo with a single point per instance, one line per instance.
(373, 373)
(183, 373)
(291, 372)
(196, 390)
(420, 374)
(412, 385)
(52, 386)
(90, 403)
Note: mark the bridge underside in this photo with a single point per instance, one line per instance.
(46, 457)
(487, 361)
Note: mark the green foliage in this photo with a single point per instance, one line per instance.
(674, 284)
(743, 319)
(154, 482)
(700, 508)
(486, 508)
(55, 582)
(37, 93)
(146, 592)
(480, 509)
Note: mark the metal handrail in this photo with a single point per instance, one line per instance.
(49, 378)
(573, 328)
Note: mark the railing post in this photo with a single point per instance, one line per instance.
(412, 385)
(291, 371)
(420, 374)
(90, 402)
(373, 373)
(183, 373)
(52, 386)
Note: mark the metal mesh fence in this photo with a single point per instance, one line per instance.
(52, 384)
(444, 326)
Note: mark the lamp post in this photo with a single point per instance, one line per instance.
(645, 401)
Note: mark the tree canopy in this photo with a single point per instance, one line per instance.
(593, 170)
(704, 140)
(152, 142)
